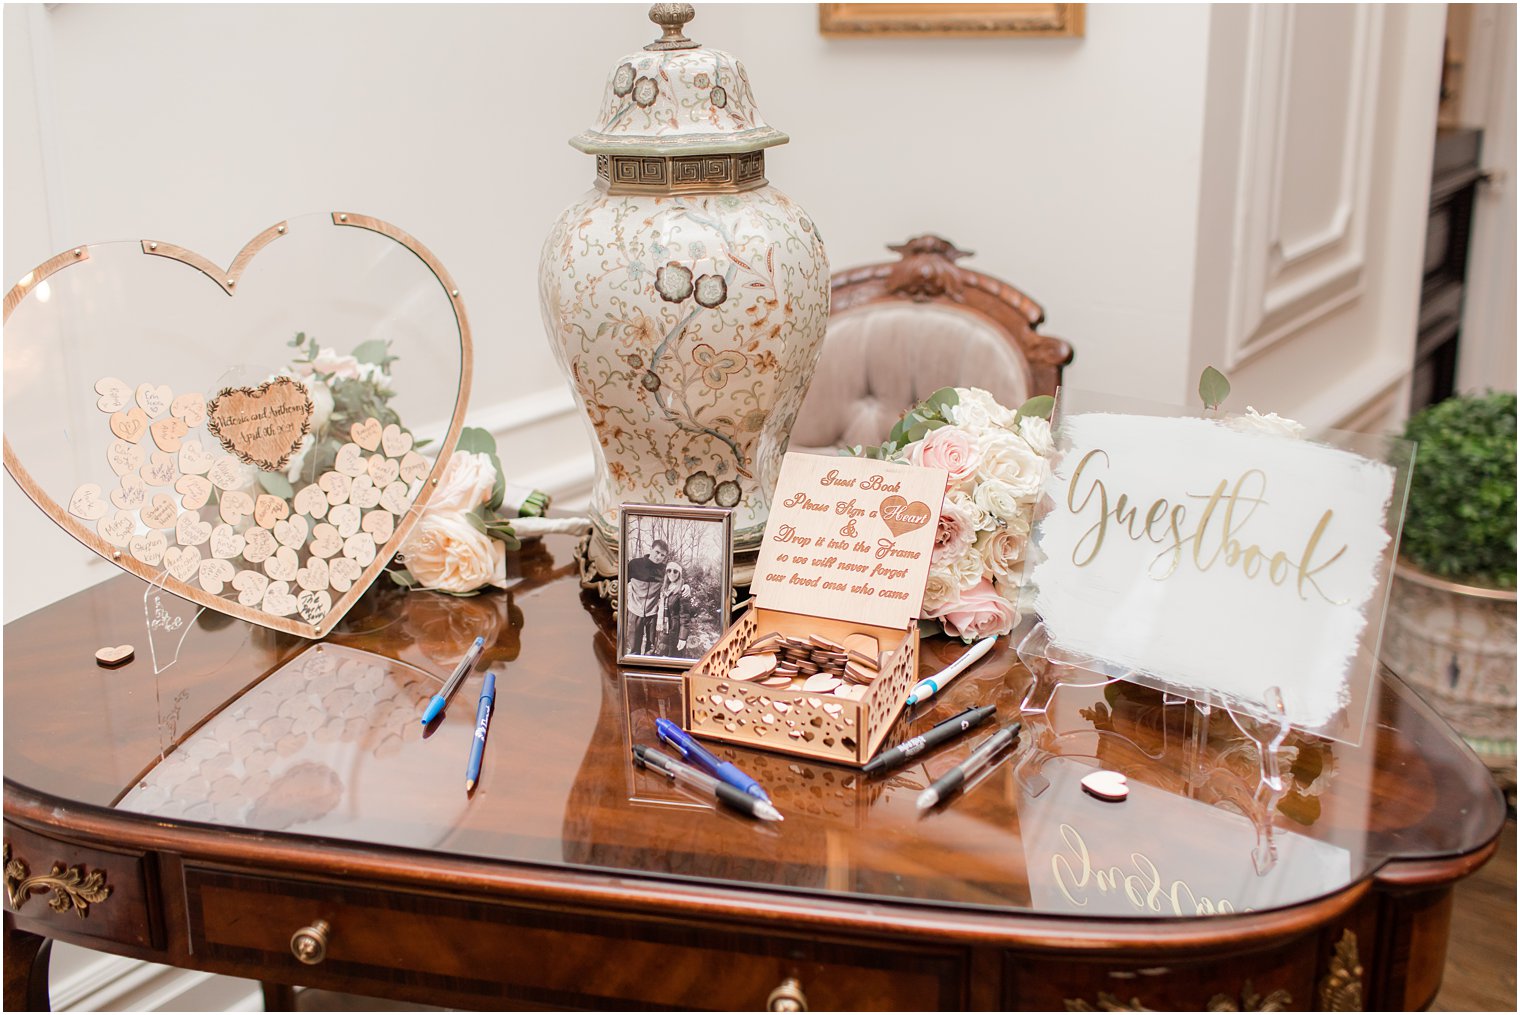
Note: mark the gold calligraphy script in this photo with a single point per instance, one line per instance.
(1140, 884)
(262, 426)
(1215, 538)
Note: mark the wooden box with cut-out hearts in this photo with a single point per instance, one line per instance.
(246, 437)
(842, 568)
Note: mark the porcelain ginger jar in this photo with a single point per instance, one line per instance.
(684, 296)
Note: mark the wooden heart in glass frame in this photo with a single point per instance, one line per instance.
(249, 438)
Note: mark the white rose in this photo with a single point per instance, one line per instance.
(998, 499)
(1252, 421)
(329, 362)
(466, 483)
(941, 588)
(374, 373)
(1007, 458)
(445, 551)
(963, 501)
(967, 569)
(1036, 433)
(321, 402)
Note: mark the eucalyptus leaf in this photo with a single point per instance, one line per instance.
(1213, 388)
(375, 351)
(942, 401)
(274, 483)
(473, 438)
(1040, 405)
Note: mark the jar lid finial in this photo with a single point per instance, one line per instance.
(672, 18)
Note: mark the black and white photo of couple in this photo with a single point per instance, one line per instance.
(675, 583)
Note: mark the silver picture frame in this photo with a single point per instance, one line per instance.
(674, 622)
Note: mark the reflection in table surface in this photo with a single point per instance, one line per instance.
(256, 729)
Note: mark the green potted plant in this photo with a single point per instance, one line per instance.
(1451, 619)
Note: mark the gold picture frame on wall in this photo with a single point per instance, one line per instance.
(921, 19)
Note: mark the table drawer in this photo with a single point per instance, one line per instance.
(452, 949)
(78, 890)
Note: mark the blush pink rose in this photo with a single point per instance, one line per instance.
(979, 612)
(952, 449)
(956, 531)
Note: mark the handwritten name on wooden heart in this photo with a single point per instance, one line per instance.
(261, 426)
(901, 516)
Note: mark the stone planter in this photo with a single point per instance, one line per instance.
(1456, 644)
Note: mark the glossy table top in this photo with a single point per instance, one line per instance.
(253, 729)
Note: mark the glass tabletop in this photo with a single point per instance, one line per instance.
(254, 729)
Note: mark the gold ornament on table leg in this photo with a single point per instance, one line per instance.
(1341, 989)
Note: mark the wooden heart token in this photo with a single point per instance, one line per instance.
(87, 503)
(270, 509)
(251, 587)
(900, 516)
(154, 400)
(116, 530)
(311, 501)
(194, 459)
(190, 407)
(395, 441)
(1107, 785)
(189, 530)
(168, 433)
(262, 426)
(753, 667)
(113, 394)
(351, 461)
(131, 494)
(215, 574)
(124, 457)
(337, 487)
(234, 506)
(194, 492)
(228, 474)
(113, 656)
(413, 467)
(367, 434)
(382, 471)
(149, 547)
(342, 572)
(325, 541)
(258, 544)
(364, 494)
(160, 470)
(129, 425)
(160, 512)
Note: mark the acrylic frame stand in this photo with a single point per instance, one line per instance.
(1266, 728)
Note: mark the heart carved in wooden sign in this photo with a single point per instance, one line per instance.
(901, 516)
(274, 487)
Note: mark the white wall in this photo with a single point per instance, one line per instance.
(1069, 166)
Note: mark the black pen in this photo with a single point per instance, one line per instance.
(735, 798)
(932, 737)
(956, 777)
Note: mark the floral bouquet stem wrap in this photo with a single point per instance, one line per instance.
(997, 460)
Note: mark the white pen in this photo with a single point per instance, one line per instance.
(926, 687)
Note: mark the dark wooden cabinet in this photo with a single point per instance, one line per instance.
(1455, 177)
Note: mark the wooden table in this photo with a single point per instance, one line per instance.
(299, 807)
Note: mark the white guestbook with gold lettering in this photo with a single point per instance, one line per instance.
(1217, 562)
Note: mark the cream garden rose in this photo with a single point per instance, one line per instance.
(466, 483)
(447, 552)
(1008, 458)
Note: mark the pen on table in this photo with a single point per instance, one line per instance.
(953, 779)
(926, 687)
(935, 735)
(691, 751)
(737, 799)
(482, 724)
(435, 705)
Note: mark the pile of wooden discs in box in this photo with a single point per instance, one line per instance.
(813, 664)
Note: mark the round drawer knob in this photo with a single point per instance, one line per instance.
(309, 944)
(787, 997)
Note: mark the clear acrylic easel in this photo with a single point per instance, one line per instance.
(1265, 727)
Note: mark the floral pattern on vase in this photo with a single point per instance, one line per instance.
(689, 327)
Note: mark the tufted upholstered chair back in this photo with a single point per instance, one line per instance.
(900, 330)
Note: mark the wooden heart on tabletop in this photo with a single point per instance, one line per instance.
(275, 486)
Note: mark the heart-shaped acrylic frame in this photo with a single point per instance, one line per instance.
(227, 280)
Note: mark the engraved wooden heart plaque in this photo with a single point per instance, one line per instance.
(248, 437)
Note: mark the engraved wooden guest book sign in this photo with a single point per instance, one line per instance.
(248, 438)
(822, 664)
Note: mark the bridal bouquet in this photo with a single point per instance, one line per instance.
(997, 459)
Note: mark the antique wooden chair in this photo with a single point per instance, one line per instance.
(901, 330)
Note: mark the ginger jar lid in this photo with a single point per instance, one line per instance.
(677, 97)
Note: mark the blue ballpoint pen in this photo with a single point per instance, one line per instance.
(435, 705)
(482, 723)
(698, 755)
